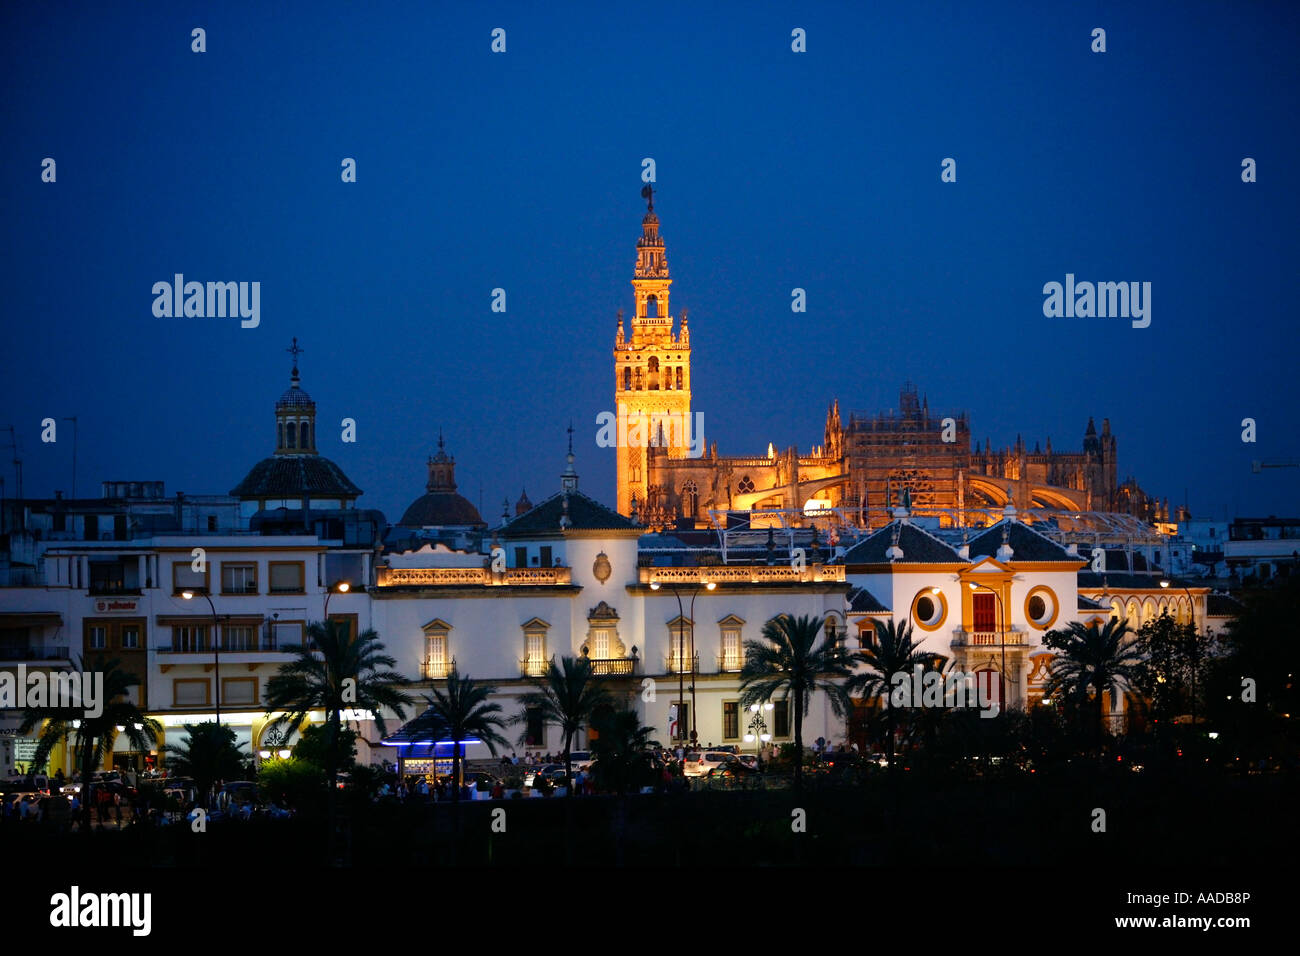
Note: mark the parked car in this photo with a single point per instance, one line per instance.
(479, 779)
(581, 759)
(840, 758)
(733, 773)
(699, 764)
(548, 771)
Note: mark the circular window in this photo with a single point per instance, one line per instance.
(929, 609)
(1041, 607)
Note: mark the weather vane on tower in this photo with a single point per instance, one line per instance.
(648, 194)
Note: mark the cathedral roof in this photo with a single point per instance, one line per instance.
(583, 513)
(295, 476)
(918, 547)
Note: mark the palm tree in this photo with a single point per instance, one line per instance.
(1092, 660)
(93, 737)
(209, 753)
(622, 763)
(462, 712)
(620, 749)
(894, 651)
(568, 696)
(334, 672)
(788, 659)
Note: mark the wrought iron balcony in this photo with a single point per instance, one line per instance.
(534, 666)
(25, 652)
(436, 669)
(730, 663)
(682, 663)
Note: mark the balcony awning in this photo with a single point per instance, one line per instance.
(31, 619)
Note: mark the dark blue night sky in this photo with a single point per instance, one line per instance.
(522, 171)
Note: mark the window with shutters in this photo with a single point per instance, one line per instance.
(287, 577)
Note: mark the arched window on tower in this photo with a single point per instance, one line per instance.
(279, 434)
(637, 381)
(627, 378)
(293, 436)
(679, 378)
(668, 377)
(652, 307)
(654, 373)
(305, 435)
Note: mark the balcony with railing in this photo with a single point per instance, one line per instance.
(533, 666)
(742, 574)
(1009, 637)
(471, 577)
(613, 666)
(682, 663)
(27, 653)
(730, 663)
(436, 668)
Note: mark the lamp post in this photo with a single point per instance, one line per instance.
(1002, 639)
(1191, 609)
(338, 587)
(758, 734)
(681, 613)
(216, 641)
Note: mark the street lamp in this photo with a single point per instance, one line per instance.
(188, 594)
(338, 587)
(1002, 639)
(681, 613)
(758, 734)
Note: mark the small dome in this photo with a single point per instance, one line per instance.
(294, 397)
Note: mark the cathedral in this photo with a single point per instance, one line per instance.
(866, 464)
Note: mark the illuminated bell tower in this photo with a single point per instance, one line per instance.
(652, 369)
